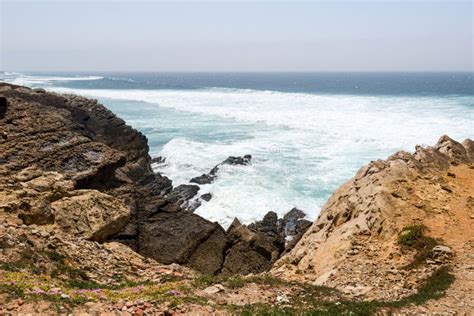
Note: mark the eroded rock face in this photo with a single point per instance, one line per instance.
(354, 242)
(68, 163)
(90, 214)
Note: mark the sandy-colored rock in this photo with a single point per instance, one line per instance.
(357, 230)
(90, 214)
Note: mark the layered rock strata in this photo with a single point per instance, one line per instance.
(68, 162)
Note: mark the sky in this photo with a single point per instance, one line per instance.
(236, 36)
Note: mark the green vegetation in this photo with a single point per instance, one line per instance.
(413, 238)
(238, 281)
(304, 299)
(433, 288)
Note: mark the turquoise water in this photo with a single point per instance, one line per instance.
(308, 133)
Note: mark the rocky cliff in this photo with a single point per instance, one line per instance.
(381, 233)
(68, 162)
(86, 226)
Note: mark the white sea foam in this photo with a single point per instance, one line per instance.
(26, 80)
(304, 145)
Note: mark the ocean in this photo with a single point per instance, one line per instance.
(307, 132)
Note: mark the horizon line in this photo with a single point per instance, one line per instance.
(244, 71)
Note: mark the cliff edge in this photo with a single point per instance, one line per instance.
(86, 227)
(396, 222)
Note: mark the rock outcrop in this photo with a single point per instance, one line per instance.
(74, 180)
(355, 246)
(69, 163)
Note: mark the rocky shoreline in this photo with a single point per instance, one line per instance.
(86, 226)
(101, 160)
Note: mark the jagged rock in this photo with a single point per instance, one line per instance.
(452, 148)
(212, 175)
(268, 225)
(290, 220)
(251, 251)
(291, 227)
(358, 228)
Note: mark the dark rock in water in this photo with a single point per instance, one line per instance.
(211, 176)
(293, 226)
(158, 160)
(3, 106)
(268, 225)
(192, 205)
(39, 90)
(231, 160)
(303, 225)
(182, 193)
(206, 197)
(203, 179)
(289, 222)
(180, 196)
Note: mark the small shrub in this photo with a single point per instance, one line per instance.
(413, 237)
(56, 257)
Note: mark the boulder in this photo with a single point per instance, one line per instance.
(182, 237)
(231, 160)
(203, 179)
(206, 197)
(214, 289)
(452, 149)
(90, 214)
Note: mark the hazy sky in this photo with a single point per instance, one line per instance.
(236, 36)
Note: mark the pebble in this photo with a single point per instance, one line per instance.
(214, 289)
